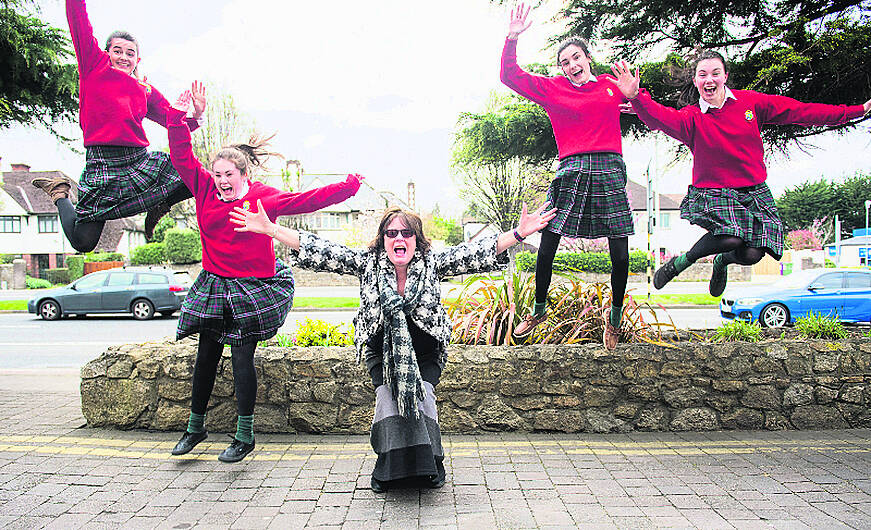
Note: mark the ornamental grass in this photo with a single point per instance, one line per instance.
(488, 309)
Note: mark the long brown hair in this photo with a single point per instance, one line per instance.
(411, 220)
(246, 156)
(682, 76)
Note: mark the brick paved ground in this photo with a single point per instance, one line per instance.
(56, 474)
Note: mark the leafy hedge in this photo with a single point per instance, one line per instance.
(92, 257)
(183, 246)
(582, 261)
(59, 275)
(76, 266)
(36, 283)
(149, 254)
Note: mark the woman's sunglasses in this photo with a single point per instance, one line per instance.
(406, 233)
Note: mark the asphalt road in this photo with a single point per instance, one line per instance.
(28, 342)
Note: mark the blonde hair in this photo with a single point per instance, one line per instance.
(246, 156)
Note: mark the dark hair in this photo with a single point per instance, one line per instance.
(246, 156)
(120, 34)
(682, 76)
(411, 220)
(573, 41)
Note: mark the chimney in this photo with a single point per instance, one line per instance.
(411, 205)
(20, 167)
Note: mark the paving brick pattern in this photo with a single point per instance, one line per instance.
(56, 474)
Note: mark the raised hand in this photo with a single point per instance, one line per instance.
(519, 20)
(627, 82)
(198, 98)
(183, 102)
(531, 223)
(249, 221)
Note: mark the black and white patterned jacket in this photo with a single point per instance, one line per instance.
(318, 254)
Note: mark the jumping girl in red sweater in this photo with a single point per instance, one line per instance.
(121, 178)
(589, 190)
(243, 294)
(728, 196)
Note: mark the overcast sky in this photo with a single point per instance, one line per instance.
(350, 86)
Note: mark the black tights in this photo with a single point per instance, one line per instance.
(733, 248)
(618, 247)
(206, 369)
(84, 235)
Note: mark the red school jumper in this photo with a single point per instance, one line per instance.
(226, 252)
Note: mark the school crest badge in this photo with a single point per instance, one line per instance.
(246, 205)
(748, 115)
(610, 92)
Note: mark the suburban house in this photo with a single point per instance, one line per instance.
(30, 227)
(851, 252)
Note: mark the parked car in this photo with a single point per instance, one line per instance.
(141, 291)
(841, 293)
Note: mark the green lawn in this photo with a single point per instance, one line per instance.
(675, 299)
(13, 305)
(326, 302)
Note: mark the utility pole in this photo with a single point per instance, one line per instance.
(651, 221)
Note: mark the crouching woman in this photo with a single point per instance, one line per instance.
(401, 329)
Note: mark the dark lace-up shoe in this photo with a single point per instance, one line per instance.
(237, 451)
(719, 277)
(188, 441)
(664, 274)
(153, 217)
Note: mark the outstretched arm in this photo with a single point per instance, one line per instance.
(519, 21)
(259, 223)
(532, 87)
(627, 82)
(529, 224)
(88, 51)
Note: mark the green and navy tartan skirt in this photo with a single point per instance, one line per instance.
(235, 311)
(121, 181)
(589, 192)
(749, 213)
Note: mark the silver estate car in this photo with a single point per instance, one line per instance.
(141, 291)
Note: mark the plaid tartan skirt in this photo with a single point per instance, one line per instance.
(589, 192)
(123, 181)
(749, 213)
(237, 310)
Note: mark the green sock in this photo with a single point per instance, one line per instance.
(682, 262)
(538, 308)
(196, 423)
(616, 315)
(245, 429)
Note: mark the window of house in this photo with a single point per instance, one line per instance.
(664, 220)
(47, 224)
(10, 224)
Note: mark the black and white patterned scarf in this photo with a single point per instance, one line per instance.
(401, 373)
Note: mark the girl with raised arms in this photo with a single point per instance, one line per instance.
(728, 196)
(121, 178)
(243, 294)
(401, 330)
(589, 191)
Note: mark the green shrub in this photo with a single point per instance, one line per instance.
(738, 330)
(148, 254)
(59, 275)
(320, 333)
(166, 222)
(36, 283)
(819, 326)
(830, 264)
(92, 257)
(76, 266)
(8, 258)
(582, 261)
(183, 246)
(282, 340)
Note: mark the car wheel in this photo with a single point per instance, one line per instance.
(774, 316)
(49, 310)
(142, 309)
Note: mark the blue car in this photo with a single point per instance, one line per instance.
(137, 290)
(841, 293)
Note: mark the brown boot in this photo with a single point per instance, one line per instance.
(153, 217)
(528, 324)
(611, 335)
(56, 188)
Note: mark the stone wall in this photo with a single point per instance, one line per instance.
(774, 384)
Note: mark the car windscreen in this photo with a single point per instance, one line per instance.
(797, 280)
